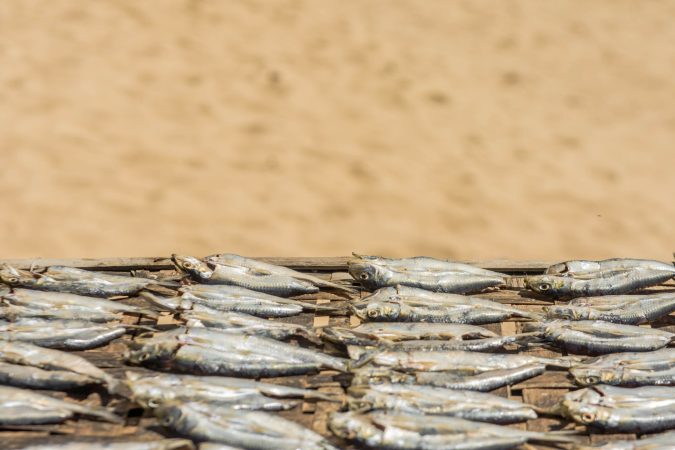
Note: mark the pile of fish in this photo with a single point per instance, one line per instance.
(418, 366)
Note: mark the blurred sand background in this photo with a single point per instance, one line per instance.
(464, 129)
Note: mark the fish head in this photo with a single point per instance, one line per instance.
(589, 376)
(170, 415)
(350, 425)
(566, 313)
(15, 277)
(368, 274)
(377, 311)
(194, 267)
(549, 285)
(585, 413)
(150, 351)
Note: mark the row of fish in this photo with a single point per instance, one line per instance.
(406, 370)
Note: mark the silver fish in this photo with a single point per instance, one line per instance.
(13, 313)
(598, 337)
(162, 444)
(586, 266)
(274, 284)
(406, 304)
(601, 283)
(481, 382)
(208, 351)
(76, 303)
(27, 365)
(77, 281)
(398, 331)
(153, 390)
(626, 410)
(24, 407)
(405, 431)
(628, 369)
(253, 430)
(469, 345)
(61, 334)
(457, 361)
(422, 272)
(663, 441)
(262, 268)
(625, 309)
(247, 324)
(414, 399)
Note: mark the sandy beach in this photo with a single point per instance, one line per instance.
(460, 129)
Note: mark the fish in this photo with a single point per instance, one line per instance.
(253, 430)
(406, 304)
(470, 345)
(628, 369)
(401, 331)
(643, 409)
(624, 309)
(262, 268)
(421, 272)
(457, 361)
(155, 389)
(598, 337)
(61, 334)
(587, 266)
(25, 407)
(161, 444)
(601, 283)
(235, 299)
(77, 281)
(663, 441)
(273, 284)
(211, 352)
(27, 365)
(13, 313)
(482, 382)
(247, 324)
(407, 431)
(77, 303)
(415, 399)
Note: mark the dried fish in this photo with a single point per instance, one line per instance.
(627, 410)
(427, 273)
(415, 399)
(162, 444)
(24, 407)
(586, 266)
(27, 365)
(77, 281)
(598, 337)
(12, 313)
(45, 300)
(457, 361)
(233, 298)
(483, 382)
(247, 324)
(208, 351)
(274, 284)
(406, 432)
(61, 334)
(597, 283)
(253, 430)
(262, 268)
(625, 309)
(628, 369)
(406, 304)
(153, 390)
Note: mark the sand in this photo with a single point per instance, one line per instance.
(462, 129)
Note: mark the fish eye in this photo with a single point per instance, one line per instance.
(187, 265)
(364, 275)
(592, 379)
(372, 313)
(566, 317)
(167, 421)
(544, 286)
(143, 356)
(587, 417)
